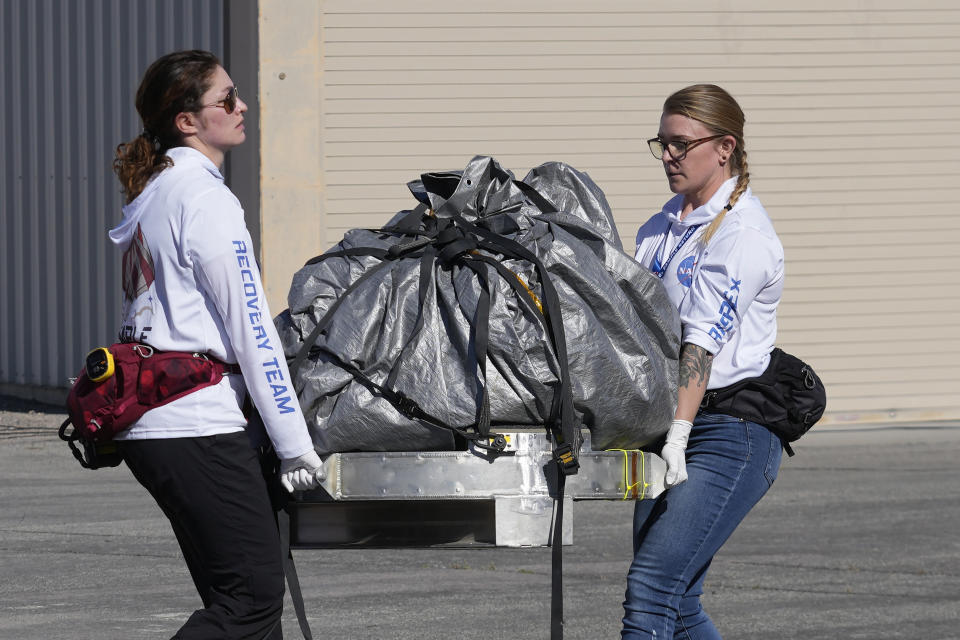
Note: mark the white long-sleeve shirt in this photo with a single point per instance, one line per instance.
(192, 284)
(727, 292)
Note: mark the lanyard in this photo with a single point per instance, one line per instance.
(661, 269)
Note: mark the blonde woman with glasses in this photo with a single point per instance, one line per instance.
(715, 249)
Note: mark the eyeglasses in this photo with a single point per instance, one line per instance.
(678, 148)
(230, 102)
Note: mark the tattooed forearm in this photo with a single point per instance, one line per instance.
(695, 363)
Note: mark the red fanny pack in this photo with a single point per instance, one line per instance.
(122, 382)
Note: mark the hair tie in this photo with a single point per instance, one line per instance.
(149, 137)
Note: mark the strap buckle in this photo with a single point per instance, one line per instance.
(398, 250)
(707, 400)
(808, 380)
(497, 443)
(407, 407)
(566, 459)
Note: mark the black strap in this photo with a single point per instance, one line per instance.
(408, 406)
(561, 422)
(457, 238)
(290, 570)
(409, 224)
(566, 443)
(386, 255)
(346, 253)
(426, 269)
(480, 327)
(525, 296)
(535, 197)
(556, 579)
(454, 246)
(71, 440)
(309, 341)
(460, 237)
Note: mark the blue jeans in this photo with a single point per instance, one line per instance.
(730, 463)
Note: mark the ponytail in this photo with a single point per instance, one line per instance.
(137, 161)
(173, 84)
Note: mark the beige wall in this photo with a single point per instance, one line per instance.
(853, 134)
(293, 220)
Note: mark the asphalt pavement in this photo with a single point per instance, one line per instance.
(858, 538)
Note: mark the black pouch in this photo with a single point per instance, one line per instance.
(788, 398)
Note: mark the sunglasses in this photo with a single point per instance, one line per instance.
(229, 103)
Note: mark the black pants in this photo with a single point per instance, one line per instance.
(213, 491)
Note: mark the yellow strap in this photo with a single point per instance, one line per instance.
(523, 284)
(533, 296)
(626, 474)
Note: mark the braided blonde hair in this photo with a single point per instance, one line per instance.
(715, 108)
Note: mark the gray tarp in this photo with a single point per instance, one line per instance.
(410, 331)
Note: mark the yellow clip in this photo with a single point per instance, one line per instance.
(626, 474)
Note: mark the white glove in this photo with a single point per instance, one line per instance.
(674, 452)
(302, 473)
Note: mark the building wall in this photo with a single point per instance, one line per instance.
(293, 217)
(70, 72)
(852, 136)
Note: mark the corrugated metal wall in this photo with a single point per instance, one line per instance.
(852, 131)
(70, 71)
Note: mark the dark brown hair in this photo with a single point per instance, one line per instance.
(173, 84)
(720, 113)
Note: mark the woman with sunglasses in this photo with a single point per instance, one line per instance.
(715, 249)
(191, 284)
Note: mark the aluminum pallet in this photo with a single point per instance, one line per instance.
(462, 498)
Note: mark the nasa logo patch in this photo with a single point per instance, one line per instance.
(685, 271)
